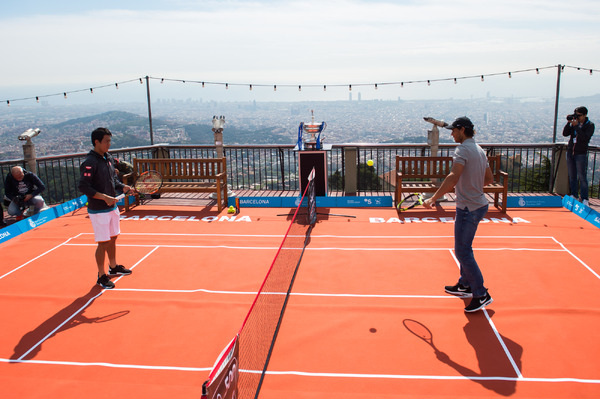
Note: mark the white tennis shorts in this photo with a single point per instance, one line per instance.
(106, 225)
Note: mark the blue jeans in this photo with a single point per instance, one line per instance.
(37, 202)
(577, 165)
(465, 228)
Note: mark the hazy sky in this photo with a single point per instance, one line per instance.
(69, 45)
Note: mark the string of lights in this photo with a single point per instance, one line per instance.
(510, 74)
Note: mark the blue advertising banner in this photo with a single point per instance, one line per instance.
(323, 202)
(583, 211)
(34, 221)
(594, 218)
(546, 201)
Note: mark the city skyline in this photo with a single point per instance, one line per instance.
(66, 129)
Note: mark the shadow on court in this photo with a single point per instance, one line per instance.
(481, 337)
(69, 317)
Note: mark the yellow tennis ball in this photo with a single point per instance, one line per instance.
(370, 162)
(231, 209)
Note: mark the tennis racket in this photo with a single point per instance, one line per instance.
(148, 183)
(410, 202)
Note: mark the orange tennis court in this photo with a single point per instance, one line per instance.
(361, 282)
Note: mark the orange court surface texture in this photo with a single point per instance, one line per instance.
(360, 282)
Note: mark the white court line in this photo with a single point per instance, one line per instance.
(311, 294)
(51, 333)
(426, 377)
(579, 260)
(318, 236)
(493, 326)
(321, 248)
(103, 364)
(506, 351)
(39, 256)
(68, 319)
(307, 374)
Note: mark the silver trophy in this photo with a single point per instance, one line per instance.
(314, 138)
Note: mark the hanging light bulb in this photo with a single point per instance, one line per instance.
(537, 70)
(590, 71)
(203, 85)
(509, 75)
(117, 85)
(8, 103)
(162, 80)
(141, 81)
(350, 87)
(455, 82)
(274, 87)
(299, 88)
(401, 84)
(92, 90)
(482, 78)
(65, 94)
(324, 88)
(250, 87)
(226, 86)
(428, 83)
(375, 86)
(37, 99)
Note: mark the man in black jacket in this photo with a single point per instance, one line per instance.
(99, 183)
(579, 129)
(23, 189)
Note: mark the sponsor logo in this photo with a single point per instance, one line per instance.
(208, 219)
(3, 235)
(444, 220)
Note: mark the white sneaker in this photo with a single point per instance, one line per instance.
(586, 202)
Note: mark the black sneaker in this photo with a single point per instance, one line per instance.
(119, 269)
(459, 290)
(104, 282)
(479, 303)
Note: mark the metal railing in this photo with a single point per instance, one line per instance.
(531, 167)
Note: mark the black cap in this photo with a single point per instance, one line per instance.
(463, 121)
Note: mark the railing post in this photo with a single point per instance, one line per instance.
(350, 170)
(149, 110)
(560, 67)
(560, 181)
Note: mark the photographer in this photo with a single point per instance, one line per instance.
(579, 129)
(23, 189)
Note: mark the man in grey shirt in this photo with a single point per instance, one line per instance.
(470, 172)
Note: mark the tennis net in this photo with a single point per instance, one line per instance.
(240, 369)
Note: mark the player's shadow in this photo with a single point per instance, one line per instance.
(481, 337)
(68, 317)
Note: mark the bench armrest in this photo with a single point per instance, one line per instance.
(127, 177)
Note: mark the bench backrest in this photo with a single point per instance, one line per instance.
(435, 167)
(423, 167)
(182, 168)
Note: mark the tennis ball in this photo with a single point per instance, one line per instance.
(370, 162)
(231, 209)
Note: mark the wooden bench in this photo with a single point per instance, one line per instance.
(415, 175)
(207, 175)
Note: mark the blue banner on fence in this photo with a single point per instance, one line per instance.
(581, 210)
(45, 216)
(322, 202)
(545, 201)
